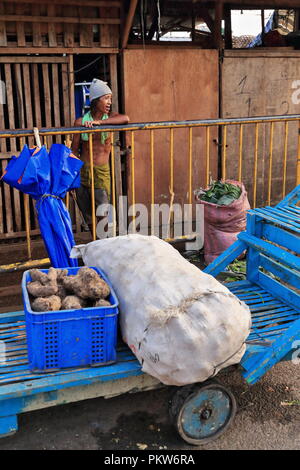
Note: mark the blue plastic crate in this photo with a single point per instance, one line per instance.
(70, 338)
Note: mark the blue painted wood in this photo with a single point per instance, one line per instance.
(291, 211)
(11, 317)
(284, 216)
(276, 234)
(264, 215)
(290, 198)
(289, 276)
(225, 258)
(254, 229)
(274, 302)
(23, 373)
(280, 348)
(266, 248)
(253, 350)
(240, 286)
(281, 291)
(8, 425)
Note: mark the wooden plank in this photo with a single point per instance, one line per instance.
(263, 52)
(33, 60)
(37, 104)
(1, 209)
(3, 36)
(277, 235)
(282, 346)
(173, 101)
(56, 102)
(36, 27)
(261, 86)
(7, 203)
(2, 123)
(228, 28)
(88, 3)
(274, 252)
(285, 274)
(17, 210)
(71, 88)
(66, 96)
(86, 31)
(52, 40)
(20, 111)
(220, 263)
(263, 3)
(10, 103)
(47, 101)
(59, 50)
(217, 33)
(19, 90)
(20, 9)
(279, 290)
(128, 23)
(22, 234)
(105, 31)
(28, 103)
(60, 19)
(68, 28)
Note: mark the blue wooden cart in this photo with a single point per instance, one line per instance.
(272, 285)
(200, 412)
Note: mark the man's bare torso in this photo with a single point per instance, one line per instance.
(100, 151)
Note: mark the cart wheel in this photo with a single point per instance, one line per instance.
(201, 413)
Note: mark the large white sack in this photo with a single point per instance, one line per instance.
(182, 324)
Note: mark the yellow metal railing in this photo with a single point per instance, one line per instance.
(242, 156)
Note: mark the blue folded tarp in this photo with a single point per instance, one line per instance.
(47, 177)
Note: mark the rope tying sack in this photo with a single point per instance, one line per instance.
(161, 317)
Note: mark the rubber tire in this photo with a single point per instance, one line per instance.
(181, 399)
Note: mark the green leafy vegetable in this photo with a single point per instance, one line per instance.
(221, 193)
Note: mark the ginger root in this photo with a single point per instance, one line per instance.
(87, 284)
(102, 303)
(43, 304)
(61, 291)
(42, 284)
(71, 302)
(56, 290)
(37, 275)
(37, 289)
(61, 274)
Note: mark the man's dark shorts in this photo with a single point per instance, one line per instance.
(83, 196)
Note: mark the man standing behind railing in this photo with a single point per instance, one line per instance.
(99, 114)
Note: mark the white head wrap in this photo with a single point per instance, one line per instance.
(98, 88)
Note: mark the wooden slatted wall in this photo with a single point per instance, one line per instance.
(55, 24)
(40, 89)
(37, 95)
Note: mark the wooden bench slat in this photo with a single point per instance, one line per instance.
(262, 246)
(279, 236)
(288, 296)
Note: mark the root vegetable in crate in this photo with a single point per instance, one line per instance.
(87, 284)
(36, 289)
(45, 304)
(65, 330)
(53, 289)
(43, 284)
(182, 324)
(72, 302)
